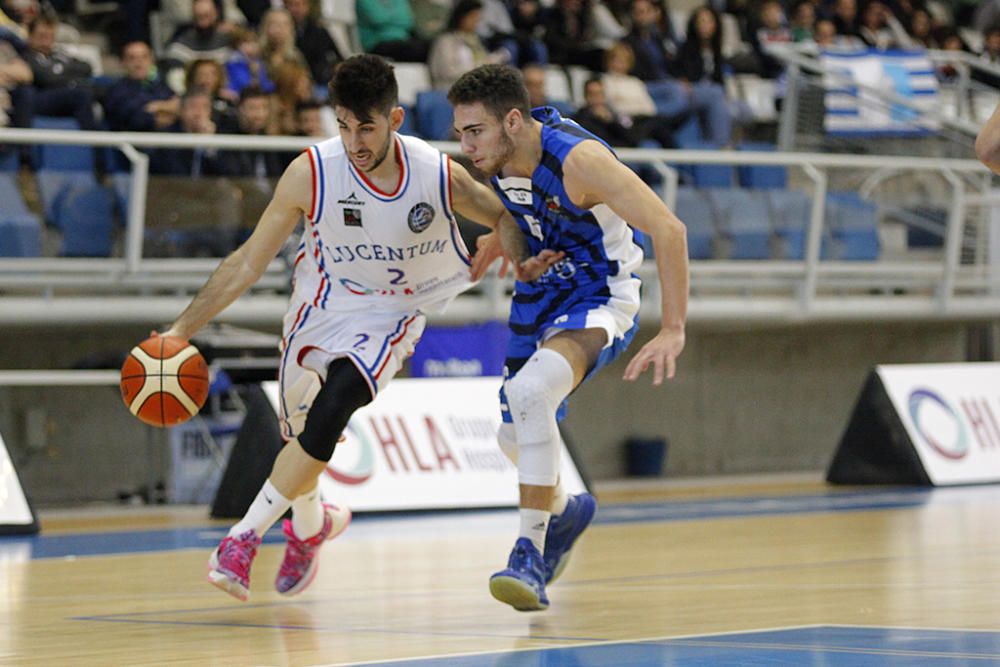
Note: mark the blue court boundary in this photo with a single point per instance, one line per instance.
(122, 542)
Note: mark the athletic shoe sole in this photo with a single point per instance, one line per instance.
(223, 582)
(516, 593)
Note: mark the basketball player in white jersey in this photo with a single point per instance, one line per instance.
(380, 249)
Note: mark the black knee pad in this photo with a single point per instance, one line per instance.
(344, 391)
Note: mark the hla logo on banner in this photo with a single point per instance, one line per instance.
(939, 424)
(952, 415)
(424, 444)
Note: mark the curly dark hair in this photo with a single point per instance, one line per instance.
(364, 84)
(500, 88)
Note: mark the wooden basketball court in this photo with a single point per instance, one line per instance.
(779, 570)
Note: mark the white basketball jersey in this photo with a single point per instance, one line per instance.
(363, 248)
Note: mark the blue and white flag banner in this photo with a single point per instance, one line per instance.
(852, 110)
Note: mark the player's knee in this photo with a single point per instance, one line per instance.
(532, 408)
(507, 441)
(538, 464)
(344, 392)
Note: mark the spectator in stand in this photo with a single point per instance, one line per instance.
(210, 76)
(460, 48)
(991, 56)
(529, 32)
(597, 116)
(140, 101)
(845, 17)
(293, 86)
(313, 41)
(430, 17)
(245, 66)
(700, 58)
(206, 37)
(534, 81)
(630, 97)
(879, 29)
(253, 118)
(921, 29)
(277, 41)
(772, 31)
(577, 33)
(195, 118)
(654, 49)
(803, 21)
(61, 85)
(496, 29)
(310, 119)
(950, 40)
(677, 100)
(15, 87)
(387, 28)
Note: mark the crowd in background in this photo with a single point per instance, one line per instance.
(260, 67)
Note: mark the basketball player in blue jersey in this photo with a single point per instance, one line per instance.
(570, 196)
(380, 248)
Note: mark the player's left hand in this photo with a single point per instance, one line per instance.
(661, 352)
(488, 249)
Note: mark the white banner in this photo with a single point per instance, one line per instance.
(14, 509)
(952, 415)
(427, 443)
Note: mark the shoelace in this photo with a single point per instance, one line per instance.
(234, 551)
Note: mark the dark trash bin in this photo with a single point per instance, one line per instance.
(644, 457)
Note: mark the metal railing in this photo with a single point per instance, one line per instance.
(139, 289)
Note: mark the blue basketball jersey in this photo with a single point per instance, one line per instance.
(602, 251)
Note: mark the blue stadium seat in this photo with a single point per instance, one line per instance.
(759, 177)
(706, 175)
(790, 212)
(409, 126)
(745, 219)
(853, 226)
(87, 222)
(20, 235)
(11, 201)
(695, 211)
(8, 159)
(55, 186)
(61, 157)
(434, 118)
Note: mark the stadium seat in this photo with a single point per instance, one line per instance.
(434, 118)
(706, 175)
(745, 220)
(761, 177)
(8, 160)
(790, 212)
(11, 201)
(20, 235)
(695, 211)
(413, 78)
(58, 156)
(55, 186)
(87, 222)
(853, 226)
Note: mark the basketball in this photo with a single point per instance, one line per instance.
(164, 381)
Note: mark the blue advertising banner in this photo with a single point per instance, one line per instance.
(465, 351)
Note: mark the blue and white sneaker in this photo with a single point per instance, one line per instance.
(522, 584)
(563, 531)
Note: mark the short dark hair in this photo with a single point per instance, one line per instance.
(363, 84)
(499, 88)
(250, 92)
(308, 105)
(461, 9)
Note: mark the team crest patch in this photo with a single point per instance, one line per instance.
(352, 217)
(420, 217)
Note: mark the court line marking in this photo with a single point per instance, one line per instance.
(599, 642)
(691, 640)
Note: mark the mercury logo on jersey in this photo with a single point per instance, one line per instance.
(382, 253)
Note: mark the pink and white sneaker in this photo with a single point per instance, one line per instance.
(301, 561)
(229, 565)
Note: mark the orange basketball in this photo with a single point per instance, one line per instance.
(164, 381)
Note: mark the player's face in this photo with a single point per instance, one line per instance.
(366, 140)
(484, 138)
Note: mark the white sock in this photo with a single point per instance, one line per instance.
(559, 499)
(534, 523)
(307, 514)
(265, 509)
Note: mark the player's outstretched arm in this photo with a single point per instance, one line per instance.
(988, 142)
(245, 265)
(592, 175)
(480, 204)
